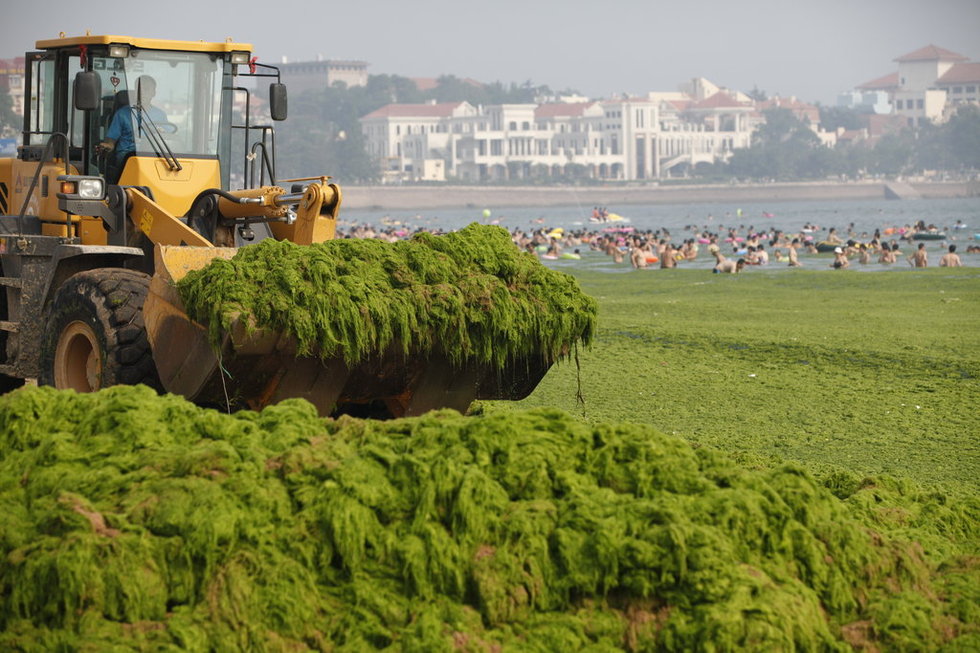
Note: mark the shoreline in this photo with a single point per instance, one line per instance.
(392, 198)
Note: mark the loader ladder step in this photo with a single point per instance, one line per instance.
(9, 326)
(13, 282)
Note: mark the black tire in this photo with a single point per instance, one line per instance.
(94, 336)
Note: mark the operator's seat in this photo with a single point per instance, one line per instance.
(114, 166)
(112, 105)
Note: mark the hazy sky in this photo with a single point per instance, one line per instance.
(812, 50)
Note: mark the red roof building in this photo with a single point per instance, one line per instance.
(929, 81)
(931, 53)
(961, 83)
(720, 100)
(804, 112)
(887, 83)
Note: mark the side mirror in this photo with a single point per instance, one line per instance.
(87, 91)
(277, 101)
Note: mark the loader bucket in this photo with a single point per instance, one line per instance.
(253, 367)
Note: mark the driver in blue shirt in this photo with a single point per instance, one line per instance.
(120, 139)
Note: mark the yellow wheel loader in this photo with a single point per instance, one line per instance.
(143, 159)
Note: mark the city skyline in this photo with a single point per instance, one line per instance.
(618, 47)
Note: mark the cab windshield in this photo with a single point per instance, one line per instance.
(153, 98)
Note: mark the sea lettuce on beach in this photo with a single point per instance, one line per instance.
(137, 521)
(472, 294)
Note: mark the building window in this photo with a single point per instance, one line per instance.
(513, 125)
(898, 104)
(971, 89)
(957, 89)
(525, 126)
(919, 104)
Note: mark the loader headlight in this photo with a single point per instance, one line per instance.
(84, 188)
(239, 57)
(91, 189)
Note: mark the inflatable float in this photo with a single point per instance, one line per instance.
(825, 246)
(929, 235)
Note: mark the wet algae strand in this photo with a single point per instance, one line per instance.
(141, 522)
(470, 293)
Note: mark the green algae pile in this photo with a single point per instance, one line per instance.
(470, 294)
(141, 522)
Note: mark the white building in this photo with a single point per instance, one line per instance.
(404, 137)
(961, 83)
(640, 138)
(928, 84)
(866, 101)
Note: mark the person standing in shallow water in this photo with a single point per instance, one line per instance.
(864, 253)
(887, 256)
(794, 261)
(919, 258)
(951, 259)
(840, 259)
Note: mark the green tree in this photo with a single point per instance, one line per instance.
(323, 133)
(893, 153)
(833, 117)
(932, 149)
(963, 130)
(852, 160)
(783, 147)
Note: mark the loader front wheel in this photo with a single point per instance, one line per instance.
(94, 335)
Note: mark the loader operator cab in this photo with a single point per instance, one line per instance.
(193, 130)
(129, 121)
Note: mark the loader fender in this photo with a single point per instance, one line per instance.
(69, 260)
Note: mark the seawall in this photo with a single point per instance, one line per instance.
(436, 196)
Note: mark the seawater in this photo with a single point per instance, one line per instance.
(682, 220)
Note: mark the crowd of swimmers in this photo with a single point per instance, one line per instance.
(732, 251)
(732, 248)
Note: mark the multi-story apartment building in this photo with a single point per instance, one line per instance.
(637, 138)
(929, 83)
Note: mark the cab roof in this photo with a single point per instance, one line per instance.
(136, 42)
